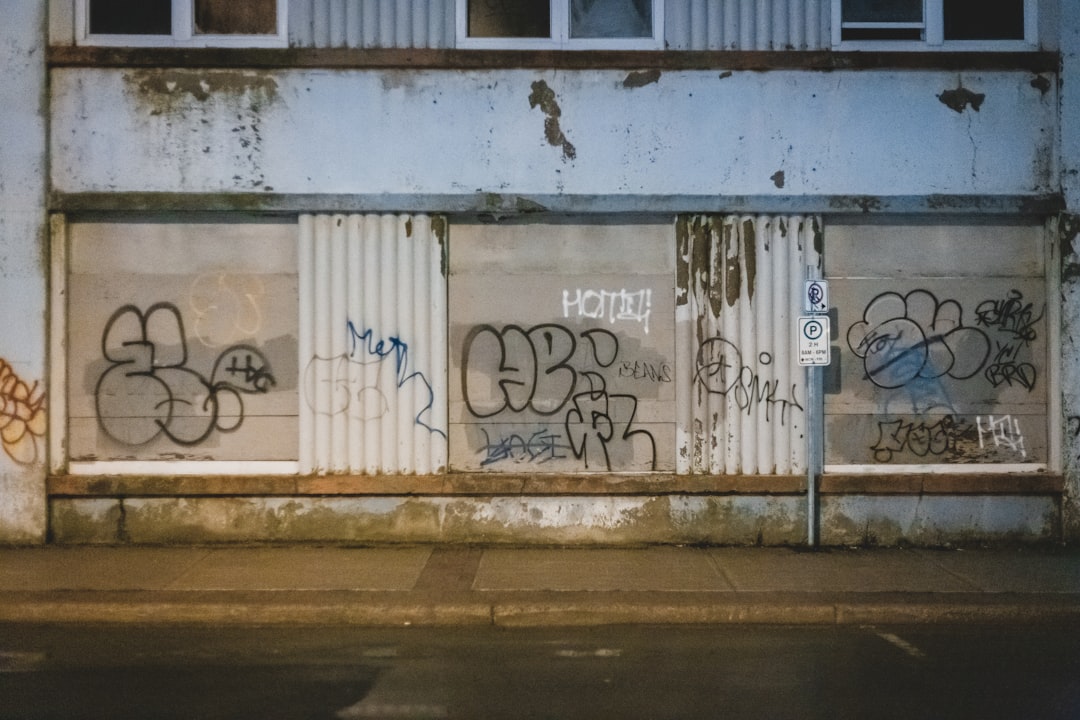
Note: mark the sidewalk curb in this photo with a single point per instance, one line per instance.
(388, 609)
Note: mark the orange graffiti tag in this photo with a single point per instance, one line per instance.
(22, 416)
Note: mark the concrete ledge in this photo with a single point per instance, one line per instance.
(489, 484)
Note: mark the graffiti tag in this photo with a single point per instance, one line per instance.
(22, 416)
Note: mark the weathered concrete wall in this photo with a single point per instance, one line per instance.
(1070, 259)
(585, 520)
(23, 263)
(780, 133)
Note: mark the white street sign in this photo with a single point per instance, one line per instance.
(816, 296)
(814, 340)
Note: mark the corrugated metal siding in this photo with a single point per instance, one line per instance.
(741, 391)
(747, 24)
(372, 344)
(688, 24)
(371, 23)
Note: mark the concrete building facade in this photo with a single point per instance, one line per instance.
(453, 270)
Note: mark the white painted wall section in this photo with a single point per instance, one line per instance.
(22, 274)
(779, 133)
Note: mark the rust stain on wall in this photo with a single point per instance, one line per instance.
(543, 97)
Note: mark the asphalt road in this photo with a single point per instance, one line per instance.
(926, 671)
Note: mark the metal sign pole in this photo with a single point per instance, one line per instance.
(813, 450)
(814, 354)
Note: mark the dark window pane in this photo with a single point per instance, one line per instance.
(610, 18)
(509, 18)
(880, 11)
(130, 17)
(881, 34)
(236, 17)
(984, 19)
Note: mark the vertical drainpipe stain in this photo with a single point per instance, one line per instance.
(438, 227)
(730, 271)
(543, 97)
(749, 239)
(682, 261)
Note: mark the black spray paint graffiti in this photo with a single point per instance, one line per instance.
(534, 370)
(918, 438)
(366, 382)
(148, 390)
(538, 447)
(1014, 320)
(720, 370)
(913, 338)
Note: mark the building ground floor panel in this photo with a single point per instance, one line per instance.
(555, 378)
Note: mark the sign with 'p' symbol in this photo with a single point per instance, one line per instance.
(814, 340)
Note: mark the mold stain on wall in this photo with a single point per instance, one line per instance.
(228, 107)
(543, 97)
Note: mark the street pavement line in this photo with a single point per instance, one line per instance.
(897, 641)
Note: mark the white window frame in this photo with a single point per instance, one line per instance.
(933, 27)
(183, 35)
(560, 33)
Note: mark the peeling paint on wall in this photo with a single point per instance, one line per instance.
(641, 79)
(960, 98)
(543, 97)
(167, 87)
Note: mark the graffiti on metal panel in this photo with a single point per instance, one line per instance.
(540, 370)
(22, 416)
(537, 447)
(610, 305)
(720, 370)
(149, 390)
(920, 438)
(226, 307)
(365, 382)
(1014, 321)
(914, 338)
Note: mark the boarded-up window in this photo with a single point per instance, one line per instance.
(562, 348)
(230, 17)
(942, 345)
(182, 341)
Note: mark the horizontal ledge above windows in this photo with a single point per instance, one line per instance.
(486, 485)
(498, 205)
(372, 58)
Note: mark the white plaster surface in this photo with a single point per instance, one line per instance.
(22, 271)
(439, 132)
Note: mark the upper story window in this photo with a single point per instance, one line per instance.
(571, 24)
(186, 23)
(935, 24)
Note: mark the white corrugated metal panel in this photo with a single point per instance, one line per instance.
(742, 395)
(747, 24)
(372, 344)
(371, 23)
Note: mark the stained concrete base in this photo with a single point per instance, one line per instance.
(557, 520)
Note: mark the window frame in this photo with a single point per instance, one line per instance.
(183, 33)
(559, 37)
(933, 27)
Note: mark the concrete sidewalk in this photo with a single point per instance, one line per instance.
(455, 585)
